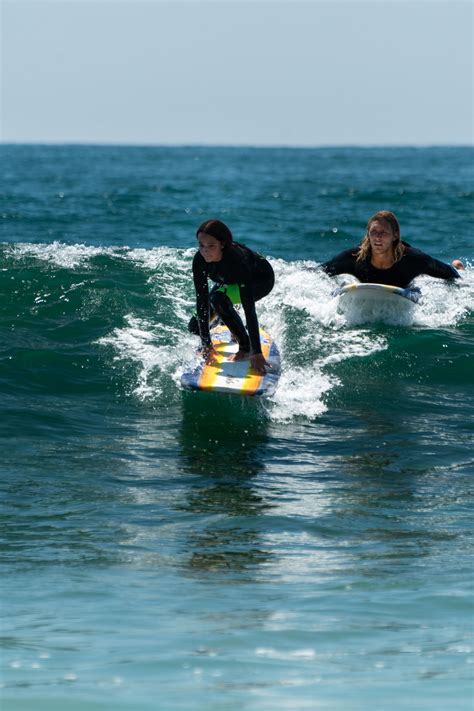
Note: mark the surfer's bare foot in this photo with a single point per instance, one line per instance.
(240, 355)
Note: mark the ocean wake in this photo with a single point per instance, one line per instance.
(151, 298)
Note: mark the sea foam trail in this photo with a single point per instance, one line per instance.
(159, 352)
(300, 296)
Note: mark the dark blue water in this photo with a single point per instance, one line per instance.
(171, 550)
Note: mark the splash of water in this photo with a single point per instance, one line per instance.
(300, 313)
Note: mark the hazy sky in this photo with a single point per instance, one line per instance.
(259, 72)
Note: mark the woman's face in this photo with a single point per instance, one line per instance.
(210, 247)
(381, 237)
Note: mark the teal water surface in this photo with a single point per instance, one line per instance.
(165, 550)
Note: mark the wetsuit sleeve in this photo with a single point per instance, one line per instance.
(202, 298)
(440, 270)
(342, 263)
(248, 302)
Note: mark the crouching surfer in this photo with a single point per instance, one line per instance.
(240, 276)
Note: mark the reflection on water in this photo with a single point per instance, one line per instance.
(237, 548)
(222, 435)
(223, 441)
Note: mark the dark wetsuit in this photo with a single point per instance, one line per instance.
(255, 278)
(413, 263)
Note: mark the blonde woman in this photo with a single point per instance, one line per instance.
(383, 258)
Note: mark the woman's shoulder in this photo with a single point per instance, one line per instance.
(238, 249)
(238, 253)
(352, 251)
(413, 252)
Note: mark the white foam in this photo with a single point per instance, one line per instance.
(302, 296)
(354, 344)
(71, 256)
(331, 336)
(162, 257)
(444, 304)
(68, 256)
(299, 393)
(138, 343)
(326, 340)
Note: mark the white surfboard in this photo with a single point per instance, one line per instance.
(378, 292)
(234, 378)
(376, 301)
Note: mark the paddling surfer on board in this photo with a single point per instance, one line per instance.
(382, 257)
(240, 276)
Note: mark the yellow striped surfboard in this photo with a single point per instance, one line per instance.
(238, 378)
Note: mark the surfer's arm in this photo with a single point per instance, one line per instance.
(202, 302)
(330, 267)
(342, 263)
(441, 270)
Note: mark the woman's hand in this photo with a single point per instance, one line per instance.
(208, 353)
(457, 264)
(259, 364)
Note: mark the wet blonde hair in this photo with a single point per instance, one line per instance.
(365, 251)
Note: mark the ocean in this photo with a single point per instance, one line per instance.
(165, 550)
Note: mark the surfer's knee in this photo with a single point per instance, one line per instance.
(220, 302)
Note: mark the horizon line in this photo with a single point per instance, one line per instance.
(287, 146)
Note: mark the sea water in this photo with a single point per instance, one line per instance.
(175, 551)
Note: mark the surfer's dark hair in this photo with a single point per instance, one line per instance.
(218, 230)
(364, 251)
